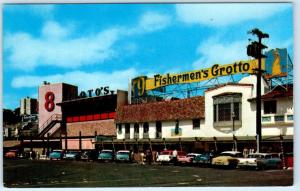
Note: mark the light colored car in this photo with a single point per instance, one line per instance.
(227, 159)
(11, 154)
(165, 156)
(56, 154)
(123, 156)
(72, 155)
(186, 159)
(260, 161)
(106, 155)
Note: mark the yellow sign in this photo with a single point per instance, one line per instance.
(142, 84)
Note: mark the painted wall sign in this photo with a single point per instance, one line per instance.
(141, 84)
(97, 92)
(49, 101)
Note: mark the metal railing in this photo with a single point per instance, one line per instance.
(52, 118)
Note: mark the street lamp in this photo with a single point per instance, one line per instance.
(233, 132)
(255, 50)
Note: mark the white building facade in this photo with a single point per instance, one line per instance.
(229, 112)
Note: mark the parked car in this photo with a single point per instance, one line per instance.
(204, 158)
(106, 155)
(165, 156)
(11, 154)
(89, 155)
(289, 160)
(56, 154)
(72, 155)
(227, 159)
(183, 158)
(123, 156)
(260, 161)
(24, 155)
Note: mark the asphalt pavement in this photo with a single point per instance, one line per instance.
(23, 173)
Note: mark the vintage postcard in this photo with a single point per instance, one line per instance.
(148, 95)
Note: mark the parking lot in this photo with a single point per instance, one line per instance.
(44, 173)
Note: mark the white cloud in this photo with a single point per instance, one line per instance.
(223, 14)
(84, 80)
(214, 52)
(152, 21)
(52, 29)
(55, 49)
(56, 46)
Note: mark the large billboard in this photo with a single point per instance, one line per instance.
(276, 63)
(141, 84)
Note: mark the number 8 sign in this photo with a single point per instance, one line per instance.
(49, 104)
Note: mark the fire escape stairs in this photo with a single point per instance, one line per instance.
(50, 123)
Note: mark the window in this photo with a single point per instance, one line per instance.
(119, 128)
(146, 127)
(215, 113)
(127, 128)
(136, 128)
(196, 123)
(158, 126)
(270, 107)
(177, 127)
(279, 118)
(224, 112)
(158, 129)
(266, 119)
(290, 117)
(227, 108)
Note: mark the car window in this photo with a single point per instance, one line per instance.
(123, 153)
(267, 156)
(166, 152)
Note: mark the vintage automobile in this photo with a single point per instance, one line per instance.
(24, 155)
(11, 154)
(260, 161)
(72, 155)
(165, 157)
(56, 154)
(183, 158)
(227, 159)
(123, 156)
(91, 155)
(106, 155)
(204, 158)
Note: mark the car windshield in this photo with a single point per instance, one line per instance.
(72, 152)
(255, 156)
(107, 152)
(166, 153)
(123, 153)
(231, 154)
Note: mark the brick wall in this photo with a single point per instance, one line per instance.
(88, 128)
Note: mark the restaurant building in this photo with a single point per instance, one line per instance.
(222, 119)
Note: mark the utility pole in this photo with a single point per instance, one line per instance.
(255, 50)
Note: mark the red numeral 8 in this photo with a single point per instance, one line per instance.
(49, 104)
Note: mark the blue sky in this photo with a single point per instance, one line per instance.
(94, 45)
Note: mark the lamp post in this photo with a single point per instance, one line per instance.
(233, 132)
(255, 50)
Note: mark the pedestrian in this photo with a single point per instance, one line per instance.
(38, 155)
(174, 155)
(149, 156)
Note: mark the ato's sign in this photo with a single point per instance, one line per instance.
(97, 92)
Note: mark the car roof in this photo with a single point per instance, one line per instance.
(124, 151)
(107, 150)
(231, 152)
